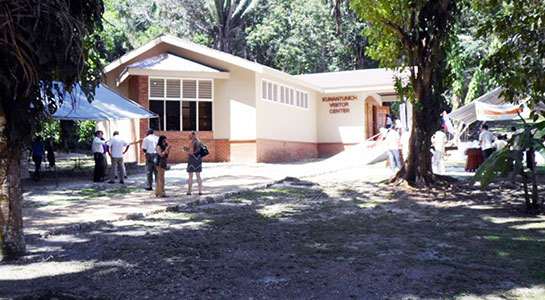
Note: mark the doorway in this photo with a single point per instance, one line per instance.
(375, 116)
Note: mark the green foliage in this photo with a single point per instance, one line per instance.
(465, 57)
(43, 42)
(218, 24)
(386, 21)
(295, 36)
(50, 128)
(86, 130)
(518, 62)
(508, 162)
(302, 37)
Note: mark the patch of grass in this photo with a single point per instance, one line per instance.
(194, 218)
(254, 195)
(64, 201)
(89, 194)
(170, 216)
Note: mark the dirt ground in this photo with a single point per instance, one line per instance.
(333, 236)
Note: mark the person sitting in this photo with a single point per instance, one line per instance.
(500, 142)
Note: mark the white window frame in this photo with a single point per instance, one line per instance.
(281, 99)
(181, 98)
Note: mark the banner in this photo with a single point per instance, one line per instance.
(495, 112)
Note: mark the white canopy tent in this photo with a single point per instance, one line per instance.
(107, 105)
(489, 107)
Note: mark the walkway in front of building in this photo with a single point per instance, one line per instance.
(47, 208)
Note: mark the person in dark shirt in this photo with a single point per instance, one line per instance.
(37, 156)
(50, 152)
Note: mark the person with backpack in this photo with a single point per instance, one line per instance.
(196, 150)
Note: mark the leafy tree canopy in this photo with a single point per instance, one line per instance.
(518, 62)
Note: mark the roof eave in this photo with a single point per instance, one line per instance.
(285, 76)
(375, 89)
(169, 73)
(222, 56)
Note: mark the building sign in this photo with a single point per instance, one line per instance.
(339, 104)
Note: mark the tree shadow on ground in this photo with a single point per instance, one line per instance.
(294, 241)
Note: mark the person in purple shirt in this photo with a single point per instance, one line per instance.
(105, 165)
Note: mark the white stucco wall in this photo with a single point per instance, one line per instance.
(336, 124)
(234, 106)
(129, 130)
(282, 122)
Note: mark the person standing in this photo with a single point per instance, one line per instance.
(439, 141)
(37, 156)
(105, 148)
(194, 163)
(486, 140)
(116, 153)
(149, 146)
(393, 144)
(162, 149)
(50, 152)
(98, 155)
(388, 121)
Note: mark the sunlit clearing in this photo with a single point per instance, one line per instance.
(535, 225)
(278, 209)
(498, 220)
(531, 293)
(483, 207)
(42, 269)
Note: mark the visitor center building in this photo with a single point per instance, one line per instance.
(242, 110)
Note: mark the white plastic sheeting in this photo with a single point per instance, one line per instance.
(107, 105)
(492, 101)
(496, 112)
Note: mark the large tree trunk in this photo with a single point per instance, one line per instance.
(426, 120)
(12, 241)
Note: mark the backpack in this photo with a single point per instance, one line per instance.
(204, 150)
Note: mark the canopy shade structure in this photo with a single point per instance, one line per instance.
(488, 107)
(107, 105)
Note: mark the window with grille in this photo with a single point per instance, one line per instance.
(183, 104)
(273, 91)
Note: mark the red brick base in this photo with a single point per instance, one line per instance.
(283, 151)
(179, 140)
(329, 149)
(243, 151)
(262, 150)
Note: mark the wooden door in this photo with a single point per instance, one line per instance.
(381, 113)
(369, 132)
